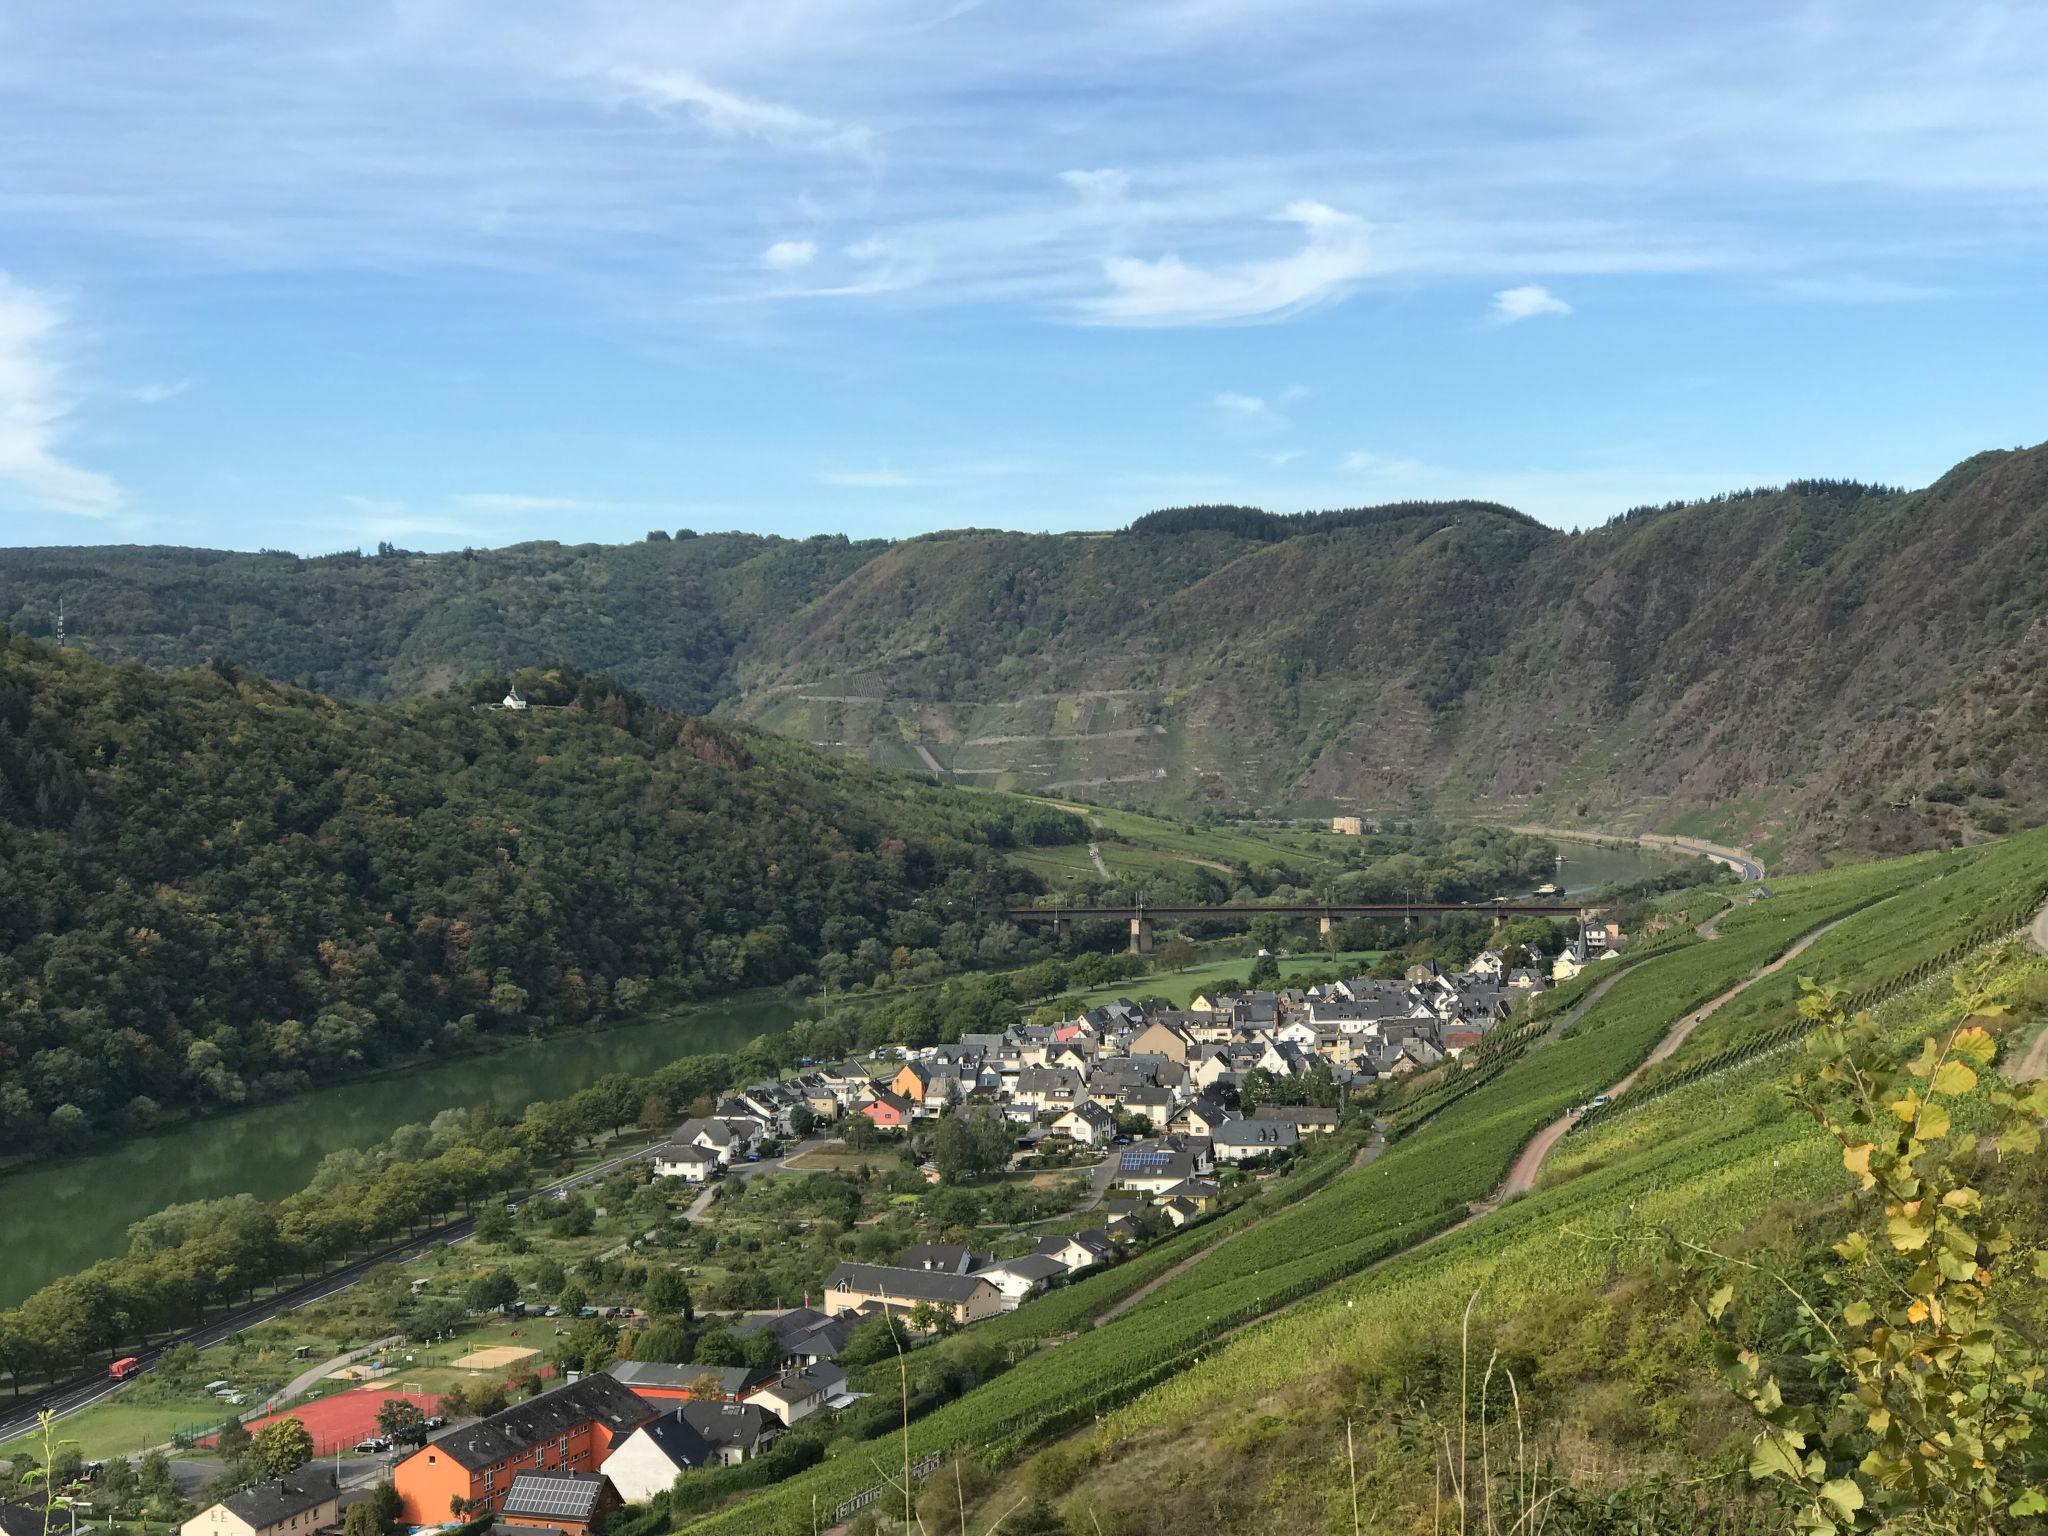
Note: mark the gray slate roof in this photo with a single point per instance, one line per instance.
(602, 1398)
(911, 1285)
(279, 1498)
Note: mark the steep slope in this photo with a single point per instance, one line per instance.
(664, 616)
(1819, 666)
(215, 888)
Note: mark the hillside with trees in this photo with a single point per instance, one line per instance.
(1812, 667)
(216, 888)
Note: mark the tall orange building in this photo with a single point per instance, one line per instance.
(572, 1428)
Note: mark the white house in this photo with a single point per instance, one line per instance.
(1089, 1124)
(690, 1163)
(696, 1434)
(1022, 1277)
(797, 1394)
(1240, 1141)
(1078, 1250)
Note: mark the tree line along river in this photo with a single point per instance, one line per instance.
(64, 1217)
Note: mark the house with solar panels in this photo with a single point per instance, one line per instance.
(568, 1502)
(470, 1470)
(1156, 1166)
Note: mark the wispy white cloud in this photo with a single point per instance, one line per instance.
(669, 92)
(1854, 288)
(1252, 407)
(519, 501)
(869, 479)
(1381, 466)
(786, 255)
(1529, 302)
(1170, 291)
(157, 391)
(1101, 186)
(36, 407)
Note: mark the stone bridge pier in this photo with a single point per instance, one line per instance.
(1141, 935)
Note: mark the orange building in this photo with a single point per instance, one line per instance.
(666, 1385)
(572, 1428)
(889, 1111)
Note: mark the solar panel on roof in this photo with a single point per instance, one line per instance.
(532, 1495)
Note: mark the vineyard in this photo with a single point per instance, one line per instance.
(1345, 1257)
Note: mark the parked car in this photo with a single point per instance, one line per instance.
(433, 1421)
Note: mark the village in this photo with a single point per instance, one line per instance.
(1049, 1151)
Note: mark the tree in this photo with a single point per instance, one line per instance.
(1179, 953)
(493, 1224)
(279, 1448)
(402, 1421)
(972, 1142)
(231, 1443)
(389, 1506)
(879, 1338)
(1265, 972)
(361, 1520)
(662, 1343)
(1927, 1391)
(717, 1346)
(590, 1346)
(858, 1133)
(666, 1292)
(761, 1350)
(802, 1121)
(492, 1289)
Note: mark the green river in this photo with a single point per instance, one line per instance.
(66, 1216)
(58, 1219)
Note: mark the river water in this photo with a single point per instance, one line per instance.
(1589, 866)
(64, 1217)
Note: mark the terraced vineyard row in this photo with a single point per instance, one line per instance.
(1704, 1159)
(1889, 953)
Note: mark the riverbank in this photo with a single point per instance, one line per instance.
(1741, 860)
(57, 1218)
(175, 1122)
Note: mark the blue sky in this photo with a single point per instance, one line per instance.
(451, 272)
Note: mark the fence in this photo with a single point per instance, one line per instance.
(848, 1508)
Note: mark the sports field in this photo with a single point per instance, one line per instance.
(340, 1422)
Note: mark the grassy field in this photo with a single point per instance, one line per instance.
(1179, 987)
(1133, 843)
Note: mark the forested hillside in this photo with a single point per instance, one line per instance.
(664, 617)
(215, 887)
(1824, 665)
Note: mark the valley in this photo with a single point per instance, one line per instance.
(1458, 658)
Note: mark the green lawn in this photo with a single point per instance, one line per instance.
(1179, 987)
